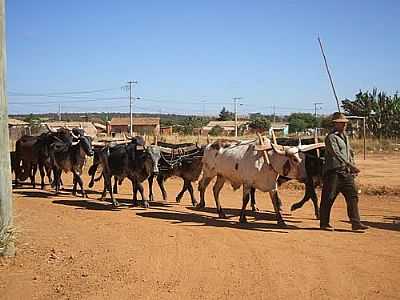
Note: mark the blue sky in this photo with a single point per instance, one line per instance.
(192, 57)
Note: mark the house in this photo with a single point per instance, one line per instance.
(227, 126)
(280, 129)
(149, 126)
(88, 127)
(166, 130)
(17, 129)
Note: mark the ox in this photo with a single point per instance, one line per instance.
(253, 165)
(70, 157)
(186, 166)
(314, 165)
(32, 152)
(132, 160)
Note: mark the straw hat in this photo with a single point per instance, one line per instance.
(339, 117)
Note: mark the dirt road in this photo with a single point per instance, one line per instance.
(74, 248)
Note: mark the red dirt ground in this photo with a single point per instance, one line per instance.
(74, 248)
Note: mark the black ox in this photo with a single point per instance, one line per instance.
(133, 160)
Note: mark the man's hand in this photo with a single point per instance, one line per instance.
(355, 170)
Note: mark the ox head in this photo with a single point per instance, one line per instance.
(155, 154)
(85, 144)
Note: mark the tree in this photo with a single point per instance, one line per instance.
(382, 112)
(216, 130)
(260, 123)
(226, 115)
(299, 122)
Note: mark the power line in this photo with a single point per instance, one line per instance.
(62, 93)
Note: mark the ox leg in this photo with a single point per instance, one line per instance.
(314, 199)
(150, 181)
(309, 194)
(190, 188)
(115, 188)
(160, 181)
(183, 190)
(246, 197)
(134, 192)
(78, 180)
(104, 193)
(204, 182)
(42, 175)
(57, 179)
(277, 207)
(33, 169)
(253, 199)
(74, 186)
(108, 186)
(216, 189)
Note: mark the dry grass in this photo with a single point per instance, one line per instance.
(7, 236)
(376, 145)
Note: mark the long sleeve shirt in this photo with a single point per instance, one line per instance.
(338, 152)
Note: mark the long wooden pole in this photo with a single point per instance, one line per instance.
(329, 74)
(6, 217)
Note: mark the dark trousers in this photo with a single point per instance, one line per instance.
(333, 184)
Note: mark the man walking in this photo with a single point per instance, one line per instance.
(339, 173)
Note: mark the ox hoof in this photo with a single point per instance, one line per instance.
(282, 224)
(195, 204)
(255, 209)
(201, 205)
(178, 200)
(222, 215)
(146, 204)
(115, 203)
(243, 220)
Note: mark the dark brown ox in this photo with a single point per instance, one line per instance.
(179, 160)
(70, 157)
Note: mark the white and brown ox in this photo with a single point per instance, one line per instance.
(253, 164)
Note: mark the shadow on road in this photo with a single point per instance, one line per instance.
(34, 193)
(202, 220)
(258, 215)
(87, 204)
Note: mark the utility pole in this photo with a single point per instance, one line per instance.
(273, 107)
(315, 108)
(315, 115)
(59, 112)
(6, 217)
(235, 99)
(130, 106)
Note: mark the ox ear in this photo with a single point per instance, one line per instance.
(306, 148)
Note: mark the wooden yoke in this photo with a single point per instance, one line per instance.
(265, 154)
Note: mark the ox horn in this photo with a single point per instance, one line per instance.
(299, 145)
(155, 140)
(277, 150)
(49, 128)
(273, 136)
(208, 139)
(316, 140)
(74, 136)
(75, 143)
